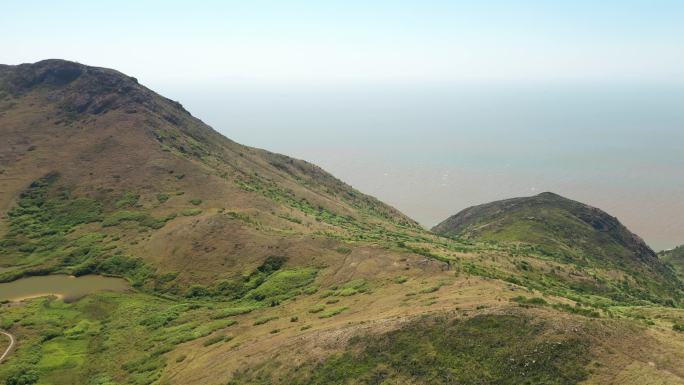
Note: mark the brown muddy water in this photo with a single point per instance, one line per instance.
(65, 287)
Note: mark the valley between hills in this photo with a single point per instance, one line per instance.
(242, 266)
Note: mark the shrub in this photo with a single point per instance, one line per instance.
(430, 289)
(310, 290)
(401, 279)
(282, 284)
(317, 309)
(242, 217)
(23, 376)
(332, 312)
(159, 320)
(272, 264)
(127, 200)
(264, 320)
(49, 334)
(155, 223)
(291, 219)
(197, 291)
(119, 265)
(214, 340)
(347, 291)
(530, 301)
(232, 311)
(122, 216)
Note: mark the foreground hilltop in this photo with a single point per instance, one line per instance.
(245, 267)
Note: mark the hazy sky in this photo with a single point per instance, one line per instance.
(166, 41)
(431, 106)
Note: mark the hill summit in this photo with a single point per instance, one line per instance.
(562, 229)
(150, 182)
(546, 211)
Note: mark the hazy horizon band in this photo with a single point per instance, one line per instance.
(432, 151)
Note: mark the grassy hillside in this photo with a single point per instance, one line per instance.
(572, 233)
(92, 157)
(248, 267)
(487, 348)
(674, 258)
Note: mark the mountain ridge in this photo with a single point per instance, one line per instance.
(76, 119)
(247, 267)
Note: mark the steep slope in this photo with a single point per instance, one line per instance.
(89, 152)
(566, 231)
(247, 267)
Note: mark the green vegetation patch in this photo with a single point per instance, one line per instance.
(233, 311)
(142, 218)
(348, 289)
(264, 320)
(400, 279)
(316, 309)
(117, 217)
(550, 228)
(283, 284)
(163, 197)
(45, 237)
(105, 338)
(486, 349)
(242, 217)
(332, 312)
(530, 301)
(39, 225)
(216, 339)
(191, 212)
(269, 284)
(127, 200)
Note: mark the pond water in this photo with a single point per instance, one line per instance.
(68, 288)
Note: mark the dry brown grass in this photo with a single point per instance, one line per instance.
(108, 154)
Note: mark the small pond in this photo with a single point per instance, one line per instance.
(66, 287)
